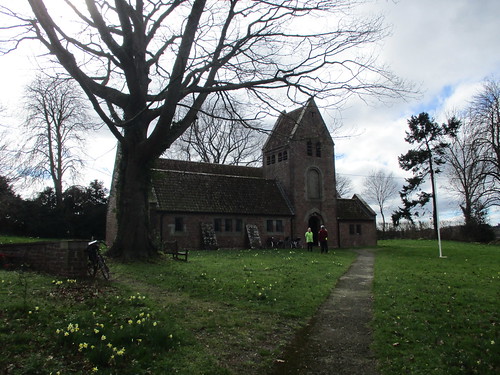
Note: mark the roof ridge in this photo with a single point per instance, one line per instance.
(206, 173)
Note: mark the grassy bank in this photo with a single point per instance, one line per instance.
(435, 315)
(224, 312)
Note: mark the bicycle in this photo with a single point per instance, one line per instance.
(96, 261)
(295, 243)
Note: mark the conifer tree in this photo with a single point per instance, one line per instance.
(424, 161)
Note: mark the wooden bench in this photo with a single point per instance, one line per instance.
(171, 247)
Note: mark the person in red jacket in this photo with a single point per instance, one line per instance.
(323, 239)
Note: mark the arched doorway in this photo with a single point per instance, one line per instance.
(314, 224)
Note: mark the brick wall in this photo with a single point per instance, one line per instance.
(348, 239)
(61, 258)
(190, 237)
(293, 172)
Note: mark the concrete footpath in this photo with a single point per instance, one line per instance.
(337, 340)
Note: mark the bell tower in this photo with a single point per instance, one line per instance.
(299, 154)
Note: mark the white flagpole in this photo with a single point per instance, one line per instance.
(437, 217)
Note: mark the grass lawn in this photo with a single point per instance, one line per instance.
(230, 312)
(223, 312)
(435, 315)
(11, 239)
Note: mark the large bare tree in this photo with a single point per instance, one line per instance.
(57, 118)
(380, 187)
(148, 66)
(468, 171)
(485, 108)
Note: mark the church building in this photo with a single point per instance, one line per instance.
(209, 206)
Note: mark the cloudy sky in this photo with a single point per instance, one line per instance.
(446, 47)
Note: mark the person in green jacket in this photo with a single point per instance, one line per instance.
(309, 239)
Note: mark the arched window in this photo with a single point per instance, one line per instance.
(313, 184)
(285, 155)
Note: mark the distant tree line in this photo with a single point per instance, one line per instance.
(81, 214)
(483, 233)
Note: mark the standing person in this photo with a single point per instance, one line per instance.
(323, 239)
(309, 239)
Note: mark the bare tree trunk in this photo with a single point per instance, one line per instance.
(383, 222)
(133, 240)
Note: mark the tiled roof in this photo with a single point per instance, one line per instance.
(288, 125)
(206, 192)
(283, 129)
(354, 209)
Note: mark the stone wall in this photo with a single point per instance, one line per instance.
(61, 258)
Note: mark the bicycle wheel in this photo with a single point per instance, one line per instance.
(103, 267)
(91, 269)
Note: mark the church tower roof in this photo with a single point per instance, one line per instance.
(286, 128)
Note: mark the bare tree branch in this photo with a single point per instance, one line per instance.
(219, 137)
(485, 109)
(380, 187)
(344, 185)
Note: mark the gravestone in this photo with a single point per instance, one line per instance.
(208, 236)
(253, 236)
